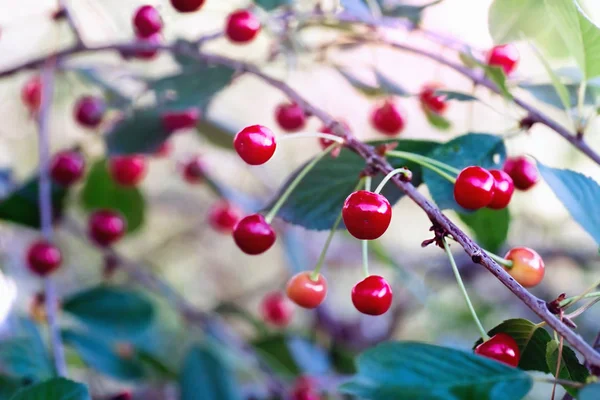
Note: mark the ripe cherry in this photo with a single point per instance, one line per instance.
(105, 227)
(503, 189)
(242, 26)
(43, 257)
(505, 56)
(366, 215)
(474, 188)
(223, 216)
(306, 292)
(175, 120)
(127, 170)
(31, 93)
(523, 172)
(67, 167)
(528, 267)
(185, 6)
(194, 170)
(276, 309)
(432, 101)
(372, 295)
(255, 144)
(164, 150)
(253, 234)
(304, 389)
(154, 39)
(290, 117)
(500, 347)
(387, 119)
(147, 21)
(89, 111)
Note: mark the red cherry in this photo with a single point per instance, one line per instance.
(387, 119)
(474, 188)
(122, 396)
(366, 215)
(89, 111)
(43, 257)
(255, 144)
(127, 170)
(67, 167)
(325, 143)
(147, 21)
(253, 234)
(372, 295)
(276, 309)
(194, 170)
(434, 102)
(242, 26)
(185, 6)
(223, 217)
(164, 150)
(175, 120)
(106, 227)
(500, 347)
(528, 267)
(306, 292)
(304, 389)
(290, 117)
(523, 172)
(154, 39)
(31, 93)
(505, 56)
(503, 189)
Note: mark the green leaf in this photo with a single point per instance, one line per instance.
(458, 96)
(318, 199)
(481, 149)
(546, 93)
(578, 193)
(54, 389)
(217, 133)
(389, 86)
(118, 312)
(496, 75)
(270, 5)
(411, 370)
(437, 120)
(101, 191)
(273, 349)
(138, 133)
(590, 392)
(206, 376)
(532, 341)
(490, 227)
(8, 386)
(570, 369)
(363, 87)
(114, 96)
(559, 87)
(100, 356)
(413, 13)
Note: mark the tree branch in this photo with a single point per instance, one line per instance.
(65, 13)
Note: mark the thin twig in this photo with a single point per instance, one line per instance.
(68, 16)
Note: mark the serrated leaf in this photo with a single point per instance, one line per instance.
(389, 86)
(270, 5)
(138, 133)
(570, 369)
(363, 87)
(397, 370)
(436, 120)
(546, 93)
(451, 95)
(590, 392)
(55, 389)
(578, 193)
(480, 222)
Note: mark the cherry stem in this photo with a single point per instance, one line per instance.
(318, 135)
(365, 243)
(557, 380)
(569, 301)
(427, 163)
(582, 309)
(461, 285)
(288, 191)
(502, 261)
(390, 176)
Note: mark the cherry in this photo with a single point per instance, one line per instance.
(500, 347)
(147, 21)
(223, 217)
(523, 172)
(366, 215)
(253, 234)
(474, 188)
(31, 93)
(89, 111)
(325, 143)
(194, 170)
(306, 292)
(242, 26)
(434, 102)
(43, 257)
(304, 389)
(505, 56)
(185, 6)
(67, 167)
(122, 396)
(255, 144)
(503, 189)
(387, 119)
(528, 267)
(290, 117)
(175, 120)
(276, 309)
(164, 150)
(372, 295)
(148, 54)
(127, 170)
(106, 227)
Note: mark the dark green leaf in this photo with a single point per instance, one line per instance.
(437, 120)
(318, 199)
(579, 194)
(363, 87)
(481, 149)
(532, 341)
(206, 376)
(217, 133)
(458, 96)
(138, 133)
(546, 93)
(100, 356)
(490, 227)
(101, 191)
(342, 360)
(496, 75)
(590, 392)
(118, 312)
(273, 349)
(570, 368)
(8, 386)
(411, 370)
(270, 5)
(54, 389)
(389, 86)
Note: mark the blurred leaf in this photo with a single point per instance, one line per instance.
(570, 369)
(396, 370)
(436, 120)
(54, 389)
(216, 133)
(468, 60)
(206, 376)
(390, 86)
(273, 349)
(531, 339)
(115, 311)
(590, 392)
(138, 133)
(496, 75)
(270, 5)
(101, 191)
(546, 93)
(480, 223)
(312, 359)
(578, 193)
(457, 96)
(342, 360)
(365, 88)
(559, 87)
(113, 95)
(8, 386)
(411, 12)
